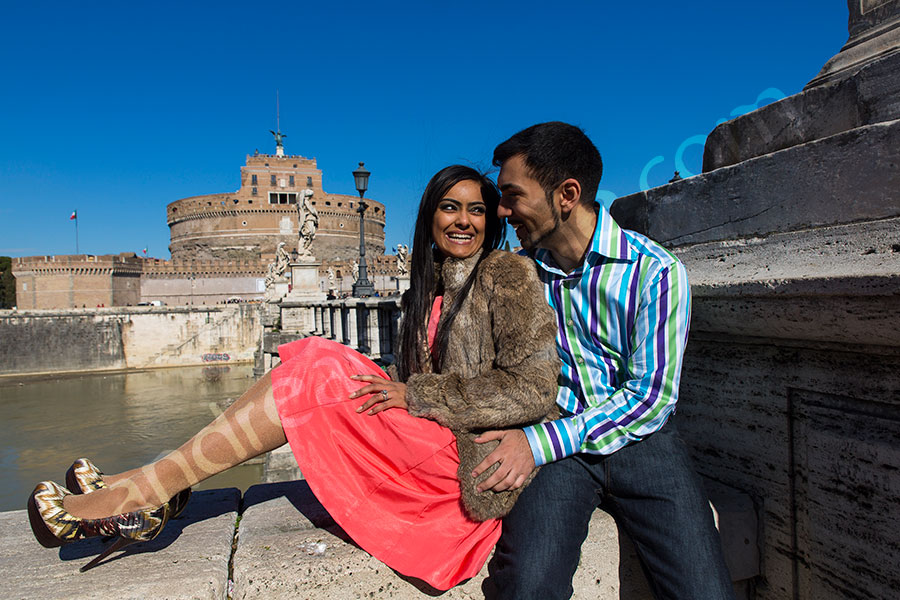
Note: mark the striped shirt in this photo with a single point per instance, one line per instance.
(623, 319)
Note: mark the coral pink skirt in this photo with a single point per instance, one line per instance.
(389, 480)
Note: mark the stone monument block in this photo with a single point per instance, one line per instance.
(874, 27)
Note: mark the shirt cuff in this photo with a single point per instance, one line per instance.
(552, 440)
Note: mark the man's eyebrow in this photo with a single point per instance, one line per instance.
(509, 186)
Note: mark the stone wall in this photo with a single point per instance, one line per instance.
(80, 280)
(791, 383)
(126, 338)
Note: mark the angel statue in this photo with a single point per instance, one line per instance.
(308, 221)
(277, 268)
(402, 259)
(278, 137)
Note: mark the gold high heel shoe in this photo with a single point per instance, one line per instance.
(53, 526)
(83, 477)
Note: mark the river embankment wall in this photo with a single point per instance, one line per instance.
(98, 339)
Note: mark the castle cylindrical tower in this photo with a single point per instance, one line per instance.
(249, 224)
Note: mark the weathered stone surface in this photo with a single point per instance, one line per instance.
(189, 559)
(289, 547)
(809, 431)
(849, 177)
(280, 465)
(874, 27)
(848, 276)
(137, 337)
(870, 96)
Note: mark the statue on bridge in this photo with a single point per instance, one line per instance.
(402, 260)
(308, 223)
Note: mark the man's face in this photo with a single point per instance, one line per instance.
(525, 205)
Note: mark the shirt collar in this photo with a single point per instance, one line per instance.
(609, 241)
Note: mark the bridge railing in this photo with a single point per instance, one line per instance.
(368, 325)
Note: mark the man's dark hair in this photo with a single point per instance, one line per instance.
(554, 152)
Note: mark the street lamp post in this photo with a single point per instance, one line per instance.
(362, 287)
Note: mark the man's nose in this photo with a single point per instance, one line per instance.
(503, 211)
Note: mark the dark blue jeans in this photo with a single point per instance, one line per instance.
(652, 491)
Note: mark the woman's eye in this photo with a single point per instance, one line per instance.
(478, 210)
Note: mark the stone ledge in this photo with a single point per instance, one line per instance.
(287, 546)
(801, 187)
(188, 560)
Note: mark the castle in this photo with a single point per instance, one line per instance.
(221, 246)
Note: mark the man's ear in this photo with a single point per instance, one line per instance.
(568, 194)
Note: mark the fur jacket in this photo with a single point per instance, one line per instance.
(499, 370)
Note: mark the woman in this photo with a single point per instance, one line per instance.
(477, 352)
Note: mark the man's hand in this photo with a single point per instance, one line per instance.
(515, 458)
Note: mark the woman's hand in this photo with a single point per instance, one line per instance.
(387, 394)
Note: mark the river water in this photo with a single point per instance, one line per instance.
(119, 421)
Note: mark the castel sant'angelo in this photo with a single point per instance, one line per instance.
(221, 245)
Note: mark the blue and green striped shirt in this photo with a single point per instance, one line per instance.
(623, 318)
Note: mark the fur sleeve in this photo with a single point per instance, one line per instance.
(520, 387)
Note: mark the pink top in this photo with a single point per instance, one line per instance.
(433, 320)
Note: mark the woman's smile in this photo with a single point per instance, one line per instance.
(459, 221)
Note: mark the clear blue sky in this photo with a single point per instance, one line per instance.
(117, 109)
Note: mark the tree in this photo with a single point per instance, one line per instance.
(7, 283)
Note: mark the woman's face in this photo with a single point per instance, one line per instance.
(459, 221)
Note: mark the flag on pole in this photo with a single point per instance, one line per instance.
(144, 251)
(74, 215)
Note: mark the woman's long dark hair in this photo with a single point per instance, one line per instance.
(417, 300)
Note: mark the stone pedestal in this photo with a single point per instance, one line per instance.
(278, 289)
(857, 87)
(305, 282)
(402, 283)
(295, 315)
(874, 27)
(791, 380)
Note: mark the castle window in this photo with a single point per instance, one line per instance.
(253, 180)
(267, 164)
(271, 180)
(339, 203)
(282, 198)
(291, 181)
(309, 182)
(295, 165)
(253, 192)
(328, 204)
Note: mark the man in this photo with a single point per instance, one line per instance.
(623, 309)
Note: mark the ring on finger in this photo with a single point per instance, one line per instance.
(384, 394)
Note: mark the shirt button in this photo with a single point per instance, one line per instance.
(570, 322)
(579, 360)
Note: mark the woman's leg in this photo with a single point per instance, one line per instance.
(246, 429)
